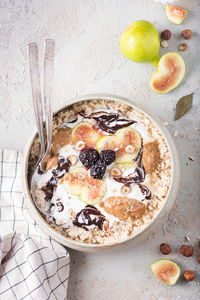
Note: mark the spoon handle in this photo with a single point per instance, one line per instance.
(48, 88)
(36, 92)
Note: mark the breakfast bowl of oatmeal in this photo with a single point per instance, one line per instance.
(112, 175)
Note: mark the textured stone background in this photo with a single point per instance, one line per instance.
(88, 60)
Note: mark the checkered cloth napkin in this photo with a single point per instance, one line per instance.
(33, 266)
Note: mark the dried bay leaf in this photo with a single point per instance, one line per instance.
(183, 105)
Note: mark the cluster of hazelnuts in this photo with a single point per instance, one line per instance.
(186, 251)
(166, 35)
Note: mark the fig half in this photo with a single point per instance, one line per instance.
(79, 182)
(119, 141)
(166, 271)
(170, 72)
(85, 132)
(175, 14)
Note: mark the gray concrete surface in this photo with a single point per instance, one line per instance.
(88, 60)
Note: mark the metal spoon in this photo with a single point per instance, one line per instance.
(36, 94)
(42, 112)
(48, 90)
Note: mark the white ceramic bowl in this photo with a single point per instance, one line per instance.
(131, 240)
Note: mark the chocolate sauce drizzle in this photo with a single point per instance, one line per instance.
(60, 206)
(138, 177)
(139, 171)
(62, 168)
(83, 218)
(145, 191)
(39, 170)
(105, 121)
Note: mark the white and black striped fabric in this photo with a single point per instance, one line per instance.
(33, 266)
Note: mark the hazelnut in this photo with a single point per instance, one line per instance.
(80, 145)
(164, 44)
(166, 34)
(186, 34)
(115, 172)
(125, 189)
(105, 225)
(71, 212)
(130, 149)
(72, 159)
(183, 47)
(187, 250)
(165, 248)
(198, 258)
(189, 275)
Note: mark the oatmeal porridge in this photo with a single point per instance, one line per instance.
(108, 174)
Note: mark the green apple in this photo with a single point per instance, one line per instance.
(141, 42)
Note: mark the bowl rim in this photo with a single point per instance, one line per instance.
(172, 193)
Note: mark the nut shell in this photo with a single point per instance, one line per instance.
(187, 250)
(186, 34)
(189, 275)
(164, 44)
(183, 47)
(198, 258)
(165, 249)
(166, 34)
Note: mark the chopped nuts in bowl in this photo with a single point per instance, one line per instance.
(113, 174)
